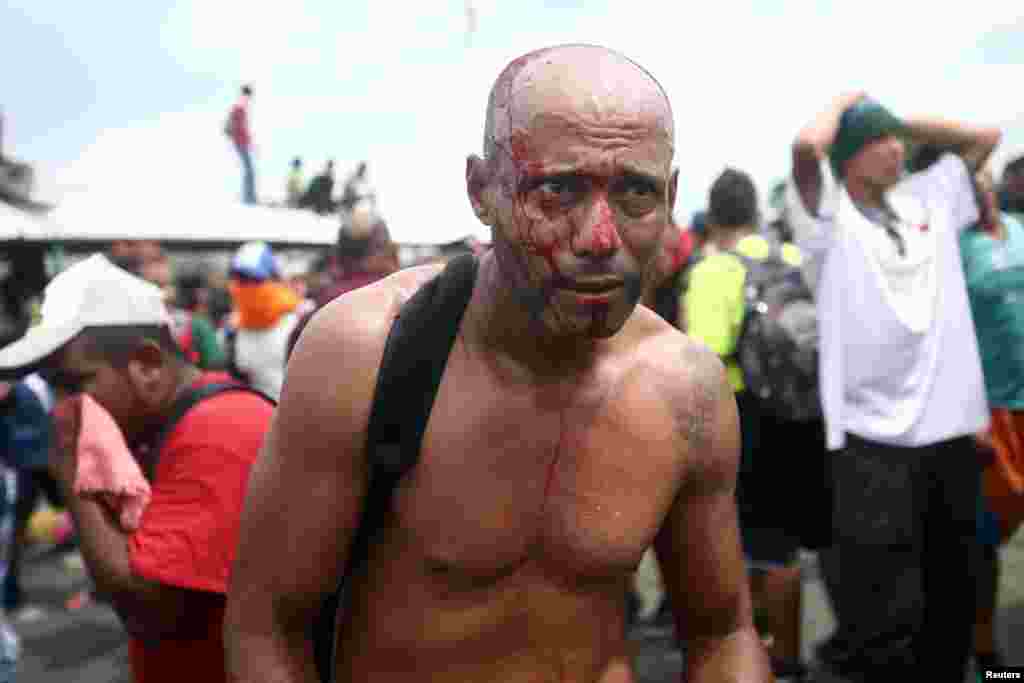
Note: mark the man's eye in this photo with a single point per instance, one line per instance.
(557, 186)
(639, 188)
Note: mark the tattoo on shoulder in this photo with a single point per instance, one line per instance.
(702, 392)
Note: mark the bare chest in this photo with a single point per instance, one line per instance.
(573, 488)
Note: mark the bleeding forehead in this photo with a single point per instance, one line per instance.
(587, 91)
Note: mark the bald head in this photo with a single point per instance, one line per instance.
(577, 183)
(587, 80)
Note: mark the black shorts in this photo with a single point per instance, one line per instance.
(783, 493)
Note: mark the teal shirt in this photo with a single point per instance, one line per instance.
(995, 285)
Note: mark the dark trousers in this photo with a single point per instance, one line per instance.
(31, 484)
(904, 560)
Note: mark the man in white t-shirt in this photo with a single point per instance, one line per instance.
(901, 382)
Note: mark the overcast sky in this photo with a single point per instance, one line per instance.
(122, 97)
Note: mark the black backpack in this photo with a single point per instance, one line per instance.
(777, 348)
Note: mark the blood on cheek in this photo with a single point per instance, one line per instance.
(546, 236)
(538, 234)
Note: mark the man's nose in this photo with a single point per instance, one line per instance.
(598, 235)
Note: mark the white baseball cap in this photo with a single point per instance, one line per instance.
(91, 293)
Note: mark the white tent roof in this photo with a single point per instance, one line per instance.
(83, 218)
(18, 224)
(87, 218)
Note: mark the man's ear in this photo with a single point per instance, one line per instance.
(477, 180)
(146, 368)
(673, 183)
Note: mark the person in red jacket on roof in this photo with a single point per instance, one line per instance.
(237, 129)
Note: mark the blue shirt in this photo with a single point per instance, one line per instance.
(994, 270)
(25, 425)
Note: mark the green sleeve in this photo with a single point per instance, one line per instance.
(204, 338)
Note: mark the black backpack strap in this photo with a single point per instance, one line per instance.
(191, 397)
(415, 356)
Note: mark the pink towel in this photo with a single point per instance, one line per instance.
(106, 468)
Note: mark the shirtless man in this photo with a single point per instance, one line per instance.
(572, 430)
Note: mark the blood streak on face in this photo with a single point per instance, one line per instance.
(524, 168)
(604, 235)
(548, 251)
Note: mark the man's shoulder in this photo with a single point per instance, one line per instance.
(716, 263)
(353, 328)
(332, 372)
(690, 378)
(679, 362)
(373, 306)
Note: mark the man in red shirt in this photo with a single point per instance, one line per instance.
(238, 130)
(104, 332)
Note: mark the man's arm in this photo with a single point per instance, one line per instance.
(148, 609)
(974, 144)
(305, 496)
(699, 545)
(812, 145)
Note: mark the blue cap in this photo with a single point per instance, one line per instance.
(255, 261)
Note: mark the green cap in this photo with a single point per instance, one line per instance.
(865, 121)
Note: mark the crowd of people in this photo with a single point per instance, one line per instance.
(318, 196)
(486, 468)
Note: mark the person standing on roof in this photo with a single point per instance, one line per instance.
(295, 184)
(357, 189)
(237, 129)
